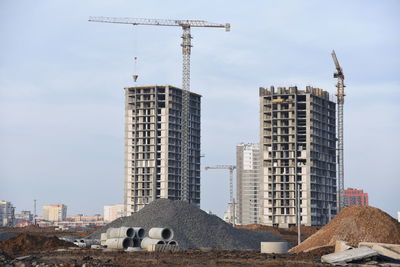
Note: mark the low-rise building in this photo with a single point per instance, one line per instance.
(354, 196)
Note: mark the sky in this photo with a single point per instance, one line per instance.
(62, 80)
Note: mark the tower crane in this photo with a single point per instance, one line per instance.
(231, 168)
(340, 101)
(186, 25)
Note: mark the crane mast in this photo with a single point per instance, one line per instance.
(186, 51)
(232, 203)
(340, 102)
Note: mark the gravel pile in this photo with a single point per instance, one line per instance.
(355, 224)
(193, 228)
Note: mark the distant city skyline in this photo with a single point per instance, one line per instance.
(62, 80)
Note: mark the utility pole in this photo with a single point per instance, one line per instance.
(186, 25)
(34, 211)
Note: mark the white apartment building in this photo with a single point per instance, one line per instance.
(112, 212)
(248, 171)
(55, 213)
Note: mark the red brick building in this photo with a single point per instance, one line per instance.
(355, 197)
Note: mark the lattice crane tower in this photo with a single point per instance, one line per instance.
(340, 101)
(186, 50)
(232, 203)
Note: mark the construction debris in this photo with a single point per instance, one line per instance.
(342, 246)
(350, 255)
(194, 228)
(391, 251)
(355, 224)
(366, 252)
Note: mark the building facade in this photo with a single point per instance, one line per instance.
(154, 147)
(7, 213)
(298, 151)
(55, 213)
(112, 212)
(353, 196)
(248, 178)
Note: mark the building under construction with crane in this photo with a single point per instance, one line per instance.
(162, 130)
(298, 151)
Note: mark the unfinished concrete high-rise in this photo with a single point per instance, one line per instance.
(248, 173)
(153, 145)
(298, 150)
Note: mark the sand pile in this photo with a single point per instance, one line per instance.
(25, 243)
(193, 228)
(355, 224)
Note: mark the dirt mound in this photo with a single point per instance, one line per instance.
(355, 224)
(193, 228)
(25, 243)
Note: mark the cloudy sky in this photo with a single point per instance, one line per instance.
(62, 80)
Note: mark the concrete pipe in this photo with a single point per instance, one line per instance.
(161, 233)
(83, 243)
(119, 243)
(150, 241)
(172, 243)
(103, 239)
(139, 232)
(274, 247)
(120, 232)
(136, 242)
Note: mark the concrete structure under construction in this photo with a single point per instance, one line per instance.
(298, 151)
(353, 196)
(55, 213)
(248, 173)
(154, 147)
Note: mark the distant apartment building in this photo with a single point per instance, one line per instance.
(112, 212)
(298, 152)
(353, 196)
(23, 218)
(154, 146)
(7, 213)
(398, 216)
(55, 213)
(248, 178)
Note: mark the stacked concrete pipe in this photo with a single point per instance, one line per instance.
(122, 237)
(159, 236)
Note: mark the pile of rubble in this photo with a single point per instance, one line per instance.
(366, 252)
(195, 229)
(354, 224)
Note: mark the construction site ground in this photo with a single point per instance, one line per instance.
(51, 253)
